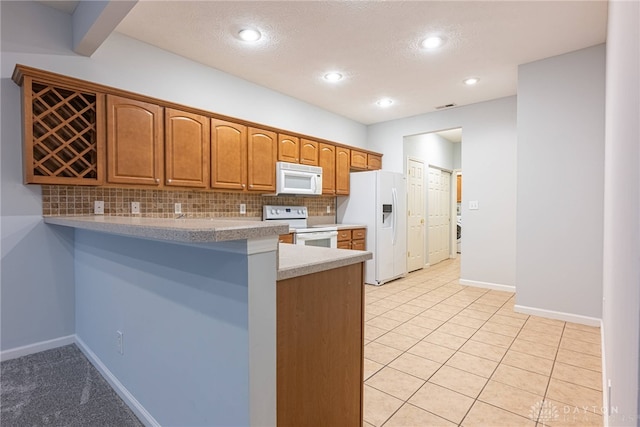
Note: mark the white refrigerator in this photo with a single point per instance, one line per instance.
(378, 199)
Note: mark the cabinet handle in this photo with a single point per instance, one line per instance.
(251, 186)
(242, 185)
(157, 180)
(169, 181)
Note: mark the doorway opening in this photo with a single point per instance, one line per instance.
(433, 163)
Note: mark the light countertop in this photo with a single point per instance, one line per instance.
(340, 226)
(298, 260)
(189, 230)
(293, 260)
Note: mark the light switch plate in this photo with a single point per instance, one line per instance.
(177, 208)
(135, 207)
(473, 205)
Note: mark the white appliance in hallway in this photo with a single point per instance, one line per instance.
(378, 199)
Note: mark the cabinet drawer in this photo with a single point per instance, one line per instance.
(344, 244)
(358, 233)
(344, 235)
(358, 245)
(286, 238)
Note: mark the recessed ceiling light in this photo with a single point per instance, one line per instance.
(471, 81)
(384, 102)
(249, 35)
(333, 76)
(432, 42)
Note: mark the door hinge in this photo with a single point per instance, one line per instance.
(408, 254)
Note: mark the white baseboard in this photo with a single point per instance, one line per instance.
(25, 350)
(558, 315)
(145, 417)
(487, 285)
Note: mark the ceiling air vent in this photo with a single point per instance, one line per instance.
(442, 107)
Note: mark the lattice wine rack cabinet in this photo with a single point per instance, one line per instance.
(63, 131)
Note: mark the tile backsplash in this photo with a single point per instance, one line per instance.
(76, 200)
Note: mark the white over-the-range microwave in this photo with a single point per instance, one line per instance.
(292, 178)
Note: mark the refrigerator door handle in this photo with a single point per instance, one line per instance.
(394, 195)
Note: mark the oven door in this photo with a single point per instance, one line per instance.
(325, 239)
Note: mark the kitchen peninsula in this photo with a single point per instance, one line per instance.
(212, 322)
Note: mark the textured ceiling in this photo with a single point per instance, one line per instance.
(374, 44)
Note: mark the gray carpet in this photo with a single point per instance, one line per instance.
(59, 387)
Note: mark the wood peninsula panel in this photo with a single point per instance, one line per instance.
(134, 142)
(343, 166)
(262, 149)
(288, 148)
(187, 145)
(309, 154)
(320, 348)
(327, 161)
(228, 155)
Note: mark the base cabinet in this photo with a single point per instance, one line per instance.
(352, 238)
(320, 348)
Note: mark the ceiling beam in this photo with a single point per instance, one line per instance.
(94, 21)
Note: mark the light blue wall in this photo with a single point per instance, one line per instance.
(561, 183)
(184, 316)
(489, 168)
(39, 36)
(432, 148)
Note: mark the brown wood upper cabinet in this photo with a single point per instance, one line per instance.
(327, 161)
(261, 163)
(134, 142)
(242, 158)
(63, 132)
(288, 148)
(309, 153)
(343, 156)
(358, 160)
(187, 145)
(374, 161)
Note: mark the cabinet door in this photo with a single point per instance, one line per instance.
(459, 188)
(358, 160)
(187, 144)
(288, 148)
(134, 142)
(358, 245)
(228, 155)
(374, 161)
(344, 236)
(327, 162)
(263, 153)
(343, 156)
(309, 152)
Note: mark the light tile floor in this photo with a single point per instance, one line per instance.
(438, 353)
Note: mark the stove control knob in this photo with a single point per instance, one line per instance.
(278, 211)
(300, 211)
(273, 211)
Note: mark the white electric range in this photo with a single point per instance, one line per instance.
(296, 217)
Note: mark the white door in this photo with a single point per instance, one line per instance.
(415, 214)
(439, 213)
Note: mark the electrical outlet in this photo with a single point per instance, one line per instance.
(98, 207)
(135, 207)
(329, 209)
(243, 209)
(120, 342)
(177, 208)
